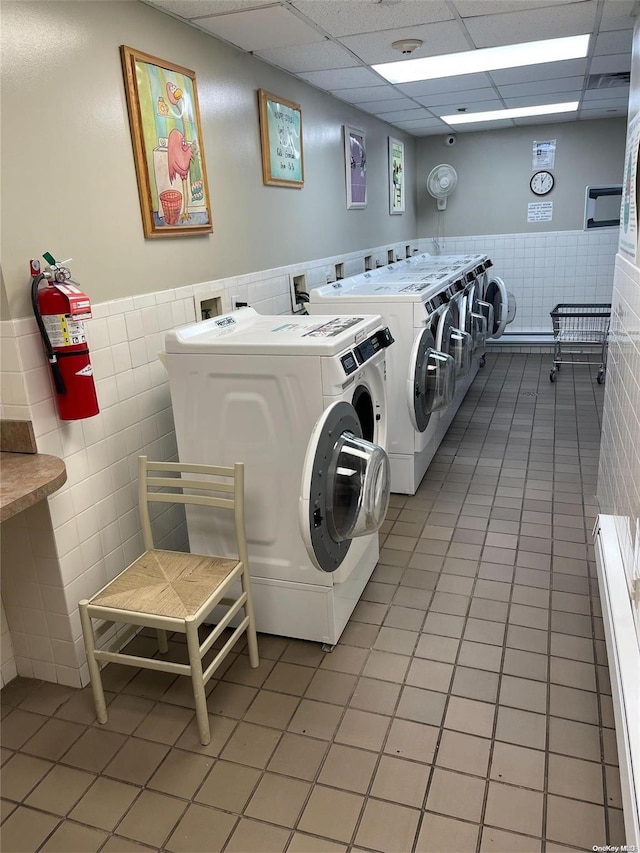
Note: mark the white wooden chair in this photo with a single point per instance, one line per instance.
(175, 591)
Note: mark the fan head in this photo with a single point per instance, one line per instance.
(441, 182)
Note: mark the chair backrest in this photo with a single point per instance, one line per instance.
(171, 476)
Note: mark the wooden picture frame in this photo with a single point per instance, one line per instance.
(355, 164)
(168, 152)
(396, 176)
(281, 141)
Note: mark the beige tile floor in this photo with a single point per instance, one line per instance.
(466, 708)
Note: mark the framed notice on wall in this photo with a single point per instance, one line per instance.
(396, 176)
(281, 141)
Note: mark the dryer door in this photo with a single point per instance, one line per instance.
(432, 379)
(496, 295)
(345, 487)
(454, 342)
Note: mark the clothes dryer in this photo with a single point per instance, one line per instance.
(413, 307)
(302, 402)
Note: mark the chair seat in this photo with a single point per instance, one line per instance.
(166, 583)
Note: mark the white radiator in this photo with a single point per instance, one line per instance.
(623, 649)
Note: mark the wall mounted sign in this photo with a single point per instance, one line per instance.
(544, 154)
(166, 132)
(540, 211)
(355, 163)
(281, 141)
(396, 176)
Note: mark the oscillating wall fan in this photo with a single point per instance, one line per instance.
(441, 182)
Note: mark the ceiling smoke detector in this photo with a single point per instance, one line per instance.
(406, 46)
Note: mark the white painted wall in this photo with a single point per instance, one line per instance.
(68, 179)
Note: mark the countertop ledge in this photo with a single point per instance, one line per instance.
(26, 478)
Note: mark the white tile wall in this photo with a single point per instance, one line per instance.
(619, 474)
(544, 269)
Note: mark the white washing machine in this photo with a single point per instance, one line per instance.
(430, 365)
(302, 402)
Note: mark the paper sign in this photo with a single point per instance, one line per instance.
(540, 211)
(544, 154)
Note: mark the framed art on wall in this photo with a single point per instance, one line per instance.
(166, 132)
(355, 162)
(281, 141)
(396, 176)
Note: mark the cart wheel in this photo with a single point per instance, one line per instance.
(483, 361)
(600, 376)
(552, 375)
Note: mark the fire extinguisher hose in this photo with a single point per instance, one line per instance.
(51, 353)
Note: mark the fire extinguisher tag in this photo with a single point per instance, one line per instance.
(86, 371)
(64, 330)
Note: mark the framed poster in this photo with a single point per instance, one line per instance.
(281, 141)
(355, 162)
(396, 176)
(162, 101)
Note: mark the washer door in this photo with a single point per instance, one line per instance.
(454, 342)
(478, 332)
(496, 295)
(431, 382)
(345, 487)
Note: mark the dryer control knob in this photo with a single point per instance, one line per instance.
(384, 337)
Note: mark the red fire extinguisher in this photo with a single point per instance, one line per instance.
(60, 310)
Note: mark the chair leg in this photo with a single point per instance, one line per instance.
(197, 680)
(252, 640)
(163, 645)
(94, 669)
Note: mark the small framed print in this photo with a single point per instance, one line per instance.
(281, 141)
(396, 176)
(355, 163)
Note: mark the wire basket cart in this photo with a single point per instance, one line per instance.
(580, 331)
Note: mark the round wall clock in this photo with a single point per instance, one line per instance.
(542, 182)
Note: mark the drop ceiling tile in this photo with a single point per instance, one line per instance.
(341, 78)
(200, 8)
(434, 123)
(615, 93)
(542, 87)
(538, 100)
(544, 71)
(380, 107)
(552, 119)
(616, 41)
(458, 99)
(471, 8)
(482, 125)
(406, 115)
(618, 15)
(572, 19)
(424, 88)
(373, 48)
(358, 16)
(322, 56)
(611, 64)
(261, 29)
(366, 94)
(472, 107)
(604, 112)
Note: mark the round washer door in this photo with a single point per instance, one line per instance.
(431, 383)
(496, 295)
(345, 487)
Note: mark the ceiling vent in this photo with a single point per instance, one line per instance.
(608, 81)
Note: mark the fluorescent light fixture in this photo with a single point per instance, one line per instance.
(516, 112)
(484, 59)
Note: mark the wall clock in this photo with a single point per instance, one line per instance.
(542, 182)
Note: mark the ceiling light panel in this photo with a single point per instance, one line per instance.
(518, 112)
(487, 59)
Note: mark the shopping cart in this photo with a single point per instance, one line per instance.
(580, 330)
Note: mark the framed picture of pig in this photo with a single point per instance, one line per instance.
(166, 132)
